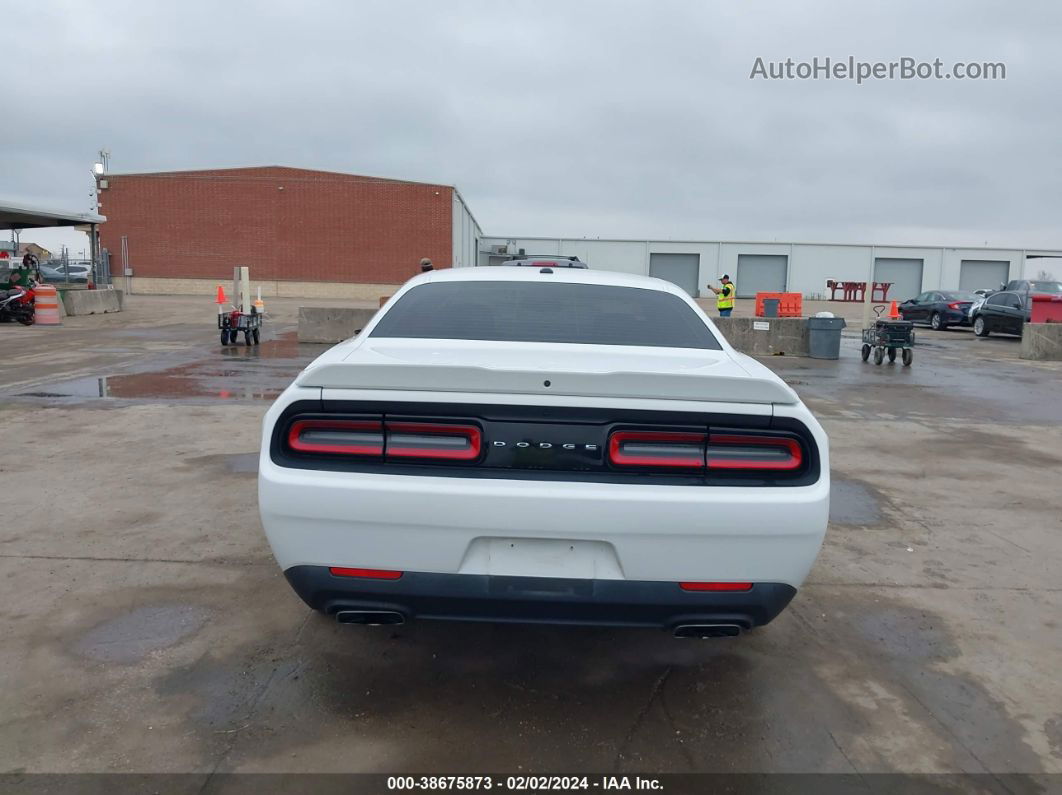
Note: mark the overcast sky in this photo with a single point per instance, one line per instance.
(577, 118)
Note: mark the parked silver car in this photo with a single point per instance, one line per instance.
(72, 272)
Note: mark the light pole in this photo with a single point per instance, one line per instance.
(99, 168)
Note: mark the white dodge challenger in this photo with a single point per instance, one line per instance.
(550, 445)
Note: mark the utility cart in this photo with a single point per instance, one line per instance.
(245, 316)
(235, 322)
(887, 336)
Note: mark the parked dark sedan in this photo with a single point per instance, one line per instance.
(939, 308)
(1005, 312)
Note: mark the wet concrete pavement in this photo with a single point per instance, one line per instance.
(146, 627)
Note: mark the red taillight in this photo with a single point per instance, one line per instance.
(369, 574)
(344, 437)
(357, 437)
(431, 440)
(733, 451)
(716, 586)
(657, 449)
(954, 305)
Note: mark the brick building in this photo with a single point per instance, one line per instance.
(300, 231)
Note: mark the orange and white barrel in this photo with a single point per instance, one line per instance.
(46, 306)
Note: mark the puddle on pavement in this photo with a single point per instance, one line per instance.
(853, 503)
(236, 463)
(151, 385)
(242, 463)
(131, 637)
(285, 346)
(239, 372)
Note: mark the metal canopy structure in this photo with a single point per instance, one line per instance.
(15, 216)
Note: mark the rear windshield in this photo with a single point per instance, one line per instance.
(588, 314)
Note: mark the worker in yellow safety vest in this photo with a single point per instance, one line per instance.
(724, 296)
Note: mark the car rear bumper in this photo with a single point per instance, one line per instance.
(953, 318)
(467, 597)
(542, 528)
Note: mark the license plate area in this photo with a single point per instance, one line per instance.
(542, 557)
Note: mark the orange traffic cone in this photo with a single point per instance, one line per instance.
(221, 296)
(894, 313)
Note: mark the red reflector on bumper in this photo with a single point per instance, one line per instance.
(370, 574)
(716, 586)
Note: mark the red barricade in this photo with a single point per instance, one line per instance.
(789, 304)
(1046, 308)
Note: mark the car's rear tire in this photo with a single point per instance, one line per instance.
(937, 322)
(980, 327)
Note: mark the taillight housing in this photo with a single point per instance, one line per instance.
(954, 305)
(671, 449)
(337, 437)
(715, 451)
(432, 440)
(736, 451)
(384, 439)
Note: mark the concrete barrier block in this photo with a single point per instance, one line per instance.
(766, 336)
(330, 324)
(92, 302)
(1042, 341)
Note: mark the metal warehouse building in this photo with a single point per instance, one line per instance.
(302, 232)
(789, 267)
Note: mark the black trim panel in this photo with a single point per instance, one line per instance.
(556, 425)
(475, 597)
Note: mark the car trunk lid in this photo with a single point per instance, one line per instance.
(544, 369)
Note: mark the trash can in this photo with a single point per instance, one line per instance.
(824, 337)
(770, 307)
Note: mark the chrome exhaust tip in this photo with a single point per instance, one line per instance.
(371, 618)
(708, 630)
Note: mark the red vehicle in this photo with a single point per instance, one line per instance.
(16, 304)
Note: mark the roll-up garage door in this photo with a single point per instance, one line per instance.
(975, 274)
(760, 273)
(904, 274)
(680, 269)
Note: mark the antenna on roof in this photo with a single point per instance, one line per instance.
(103, 162)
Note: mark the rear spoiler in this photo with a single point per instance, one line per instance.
(460, 378)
